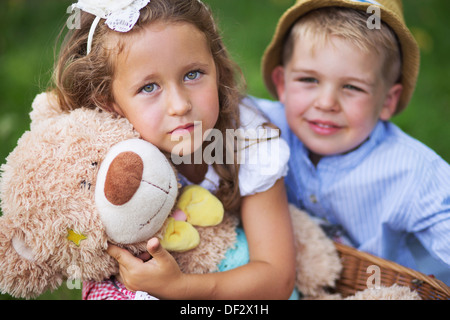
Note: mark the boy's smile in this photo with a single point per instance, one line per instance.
(334, 95)
(324, 127)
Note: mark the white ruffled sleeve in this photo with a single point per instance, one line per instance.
(262, 154)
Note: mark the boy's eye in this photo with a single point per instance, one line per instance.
(308, 80)
(351, 87)
(192, 75)
(149, 88)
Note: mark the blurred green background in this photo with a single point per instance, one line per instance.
(28, 30)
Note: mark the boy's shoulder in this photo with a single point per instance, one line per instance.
(394, 141)
(272, 110)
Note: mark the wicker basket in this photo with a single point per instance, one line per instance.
(355, 275)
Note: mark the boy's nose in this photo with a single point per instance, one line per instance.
(327, 100)
(178, 102)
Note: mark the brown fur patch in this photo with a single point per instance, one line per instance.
(123, 178)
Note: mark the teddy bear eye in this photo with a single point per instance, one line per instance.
(94, 164)
(84, 184)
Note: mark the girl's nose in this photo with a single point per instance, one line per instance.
(178, 102)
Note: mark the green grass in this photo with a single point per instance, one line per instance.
(29, 29)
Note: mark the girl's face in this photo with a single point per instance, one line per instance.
(165, 84)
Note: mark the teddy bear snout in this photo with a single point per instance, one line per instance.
(135, 191)
(123, 178)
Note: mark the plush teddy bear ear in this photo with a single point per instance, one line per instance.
(44, 106)
(22, 274)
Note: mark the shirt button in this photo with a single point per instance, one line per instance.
(313, 199)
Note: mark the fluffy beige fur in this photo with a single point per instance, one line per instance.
(394, 292)
(46, 189)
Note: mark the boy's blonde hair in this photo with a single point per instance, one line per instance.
(351, 25)
(85, 80)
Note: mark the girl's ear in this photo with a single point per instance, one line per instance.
(115, 108)
(109, 105)
(391, 101)
(279, 82)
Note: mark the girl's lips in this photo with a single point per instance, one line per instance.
(182, 130)
(324, 127)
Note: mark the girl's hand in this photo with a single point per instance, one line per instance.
(270, 274)
(159, 276)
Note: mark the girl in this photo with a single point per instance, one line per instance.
(171, 77)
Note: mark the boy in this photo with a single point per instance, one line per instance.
(340, 75)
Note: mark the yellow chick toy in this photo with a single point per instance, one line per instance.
(196, 206)
(201, 207)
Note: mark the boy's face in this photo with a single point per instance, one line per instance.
(334, 95)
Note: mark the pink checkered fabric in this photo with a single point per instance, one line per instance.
(106, 290)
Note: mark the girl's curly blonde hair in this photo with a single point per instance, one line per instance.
(81, 80)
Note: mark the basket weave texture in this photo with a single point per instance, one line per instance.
(355, 275)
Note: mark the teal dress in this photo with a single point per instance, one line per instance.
(239, 256)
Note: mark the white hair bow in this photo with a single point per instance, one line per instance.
(120, 15)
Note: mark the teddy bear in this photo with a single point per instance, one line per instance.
(80, 179)
(58, 217)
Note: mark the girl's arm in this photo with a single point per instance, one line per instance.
(270, 274)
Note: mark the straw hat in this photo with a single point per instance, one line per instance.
(391, 13)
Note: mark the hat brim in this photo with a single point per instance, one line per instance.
(410, 50)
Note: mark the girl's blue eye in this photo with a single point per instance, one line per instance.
(192, 75)
(149, 88)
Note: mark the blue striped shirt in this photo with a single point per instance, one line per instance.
(391, 195)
